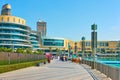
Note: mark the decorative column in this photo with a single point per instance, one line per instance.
(83, 46)
(94, 42)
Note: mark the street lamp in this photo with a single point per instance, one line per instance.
(69, 50)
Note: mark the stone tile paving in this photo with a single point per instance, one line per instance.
(56, 70)
(95, 73)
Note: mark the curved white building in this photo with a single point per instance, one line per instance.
(34, 39)
(14, 33)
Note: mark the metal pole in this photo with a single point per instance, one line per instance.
(83, 47)
(94, 43)
(8, 58)
(94, 57)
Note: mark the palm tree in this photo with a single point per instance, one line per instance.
(20, 50)
(9, 50)
(4, 49)
(57, 51)
(50, 48)
(29, 51)
(41, 52)
(63, 51)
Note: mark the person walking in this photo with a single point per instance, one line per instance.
(58, 58)
(64, 58)
(48, 56)
(80, 58)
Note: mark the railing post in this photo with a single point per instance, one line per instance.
(8, 58)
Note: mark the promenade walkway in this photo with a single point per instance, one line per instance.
(56, 70)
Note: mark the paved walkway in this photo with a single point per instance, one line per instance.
(56, 70)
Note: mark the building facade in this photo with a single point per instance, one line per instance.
(102, 46)
(41, 27)
(55, 45)
(34, 39)
(14, 33)
(52, 42)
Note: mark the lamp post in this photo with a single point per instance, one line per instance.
(93, 42)
(83, 47)
(64, 51)
(76, 48)
(69, 50)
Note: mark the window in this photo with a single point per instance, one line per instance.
(22, 22)
(87, 43)
(119, 44)
(19, 20)
(13, 19)
(53, 42)
(8, 19)
(2, 19)
(101, 44)
(106, 44)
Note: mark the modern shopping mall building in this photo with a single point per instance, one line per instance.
(14, 33)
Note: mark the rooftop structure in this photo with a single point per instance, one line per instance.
(6, 9)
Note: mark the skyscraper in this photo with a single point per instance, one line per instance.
(41, 27)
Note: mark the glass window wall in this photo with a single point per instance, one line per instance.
(53, 42)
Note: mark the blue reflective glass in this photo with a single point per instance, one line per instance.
(53, 42)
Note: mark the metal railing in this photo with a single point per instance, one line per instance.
(13, 58)
(109, 71)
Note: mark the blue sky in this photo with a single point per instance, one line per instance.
(71, 19)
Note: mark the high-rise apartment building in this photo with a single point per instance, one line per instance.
(41, 27)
